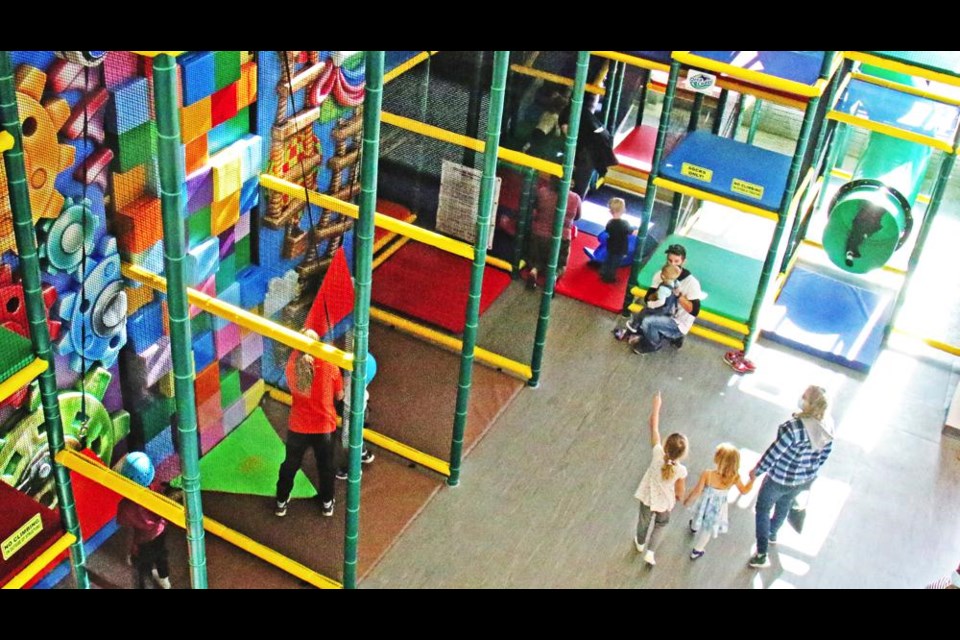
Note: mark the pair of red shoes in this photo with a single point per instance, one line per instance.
(738, 362)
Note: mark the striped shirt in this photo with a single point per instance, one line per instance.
(791, 460)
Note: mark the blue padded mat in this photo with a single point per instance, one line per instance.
(728, 168)
(888, 106)
(798, 66)
(393, 59)
(830, 319)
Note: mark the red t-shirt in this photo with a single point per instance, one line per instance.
(546, 209)
(314, 412)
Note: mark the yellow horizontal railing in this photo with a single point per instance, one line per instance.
(753, 77)
(245, 319)
(386, 442)
(635, 61)
(920, 92)
(889, 130)
(406, 66)
(174, 512)
(923, 198)
(716, 336)
(930, 342)
(493, 360)
(712, 197)
(387, 238)
(39, 563)
(626, 185)
(554, 78)
(425, 236)
(509, 155)
(22, 378)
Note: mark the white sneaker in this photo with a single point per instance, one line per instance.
(649, 559)
(639, 545)
(163, 583)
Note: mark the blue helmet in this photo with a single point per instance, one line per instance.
(138, 467)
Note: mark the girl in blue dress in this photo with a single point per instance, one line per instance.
(710, 516)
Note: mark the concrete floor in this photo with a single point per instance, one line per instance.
(547, 497)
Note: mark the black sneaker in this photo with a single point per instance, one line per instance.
(367, 456)
(678, 343)
(281, 509)
(759, 561)
(342, 474)
(326, 509)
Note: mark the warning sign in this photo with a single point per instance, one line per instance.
(746, 188)
(21, 536)
(697, 173)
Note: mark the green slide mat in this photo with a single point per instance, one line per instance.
(247, 461)
(16, 352)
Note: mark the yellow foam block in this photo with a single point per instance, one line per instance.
(195, 120)
(165, 384)
(253, 395)
(247, 85)
(137, 297)
(129, 186)
(225, 167)
(224, 213)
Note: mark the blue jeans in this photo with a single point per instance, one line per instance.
(608, 270)
(778, 498)
(656, 328)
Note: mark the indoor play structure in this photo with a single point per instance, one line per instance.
(179, 278)
(168, 220)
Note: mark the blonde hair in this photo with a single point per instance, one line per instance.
(727, 459)
(617, 205)
(303, 370)
(815, 403)
(670, 272)
(673, 450)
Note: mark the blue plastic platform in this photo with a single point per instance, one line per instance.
(915, 114)
(728, 168)
(830, 319)
(393, 59)
(798, 66)
(655, 56)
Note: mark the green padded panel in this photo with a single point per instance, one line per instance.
(729, 279)
(16, 352)
(943, 61)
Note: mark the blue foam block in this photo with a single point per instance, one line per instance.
(251, 162)
(145, 326)
(250, 194)
(198, 76)
(830, 319)
(253, 286)
(160, 446)
(129, 107)
(732, 169)
(204, 351)
(271, 368)
(203, 261)
(230, 295)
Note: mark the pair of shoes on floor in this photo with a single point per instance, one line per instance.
(366, 457)
(695, 555)
(326, 508)
(738, 361)
(759, 561)
(163, 583)
(281, 509)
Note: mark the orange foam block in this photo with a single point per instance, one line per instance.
(139, 225)
(247, 85)
(195, 120)
(196, 154)
(207, 383)
(129, 186)
(137, 297)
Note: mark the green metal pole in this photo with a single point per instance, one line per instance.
(570, 150)
(369, 156)
(174, 241)
(826, 127)
(738, 118)
(501, 64)
(718, 114)
(26, 240)
(523, 219)
(607, 108)
(939, 188)
(651, 197)
(615, 101)
(692, 125)
(754, 120)
(792, 178)
(642, 101)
